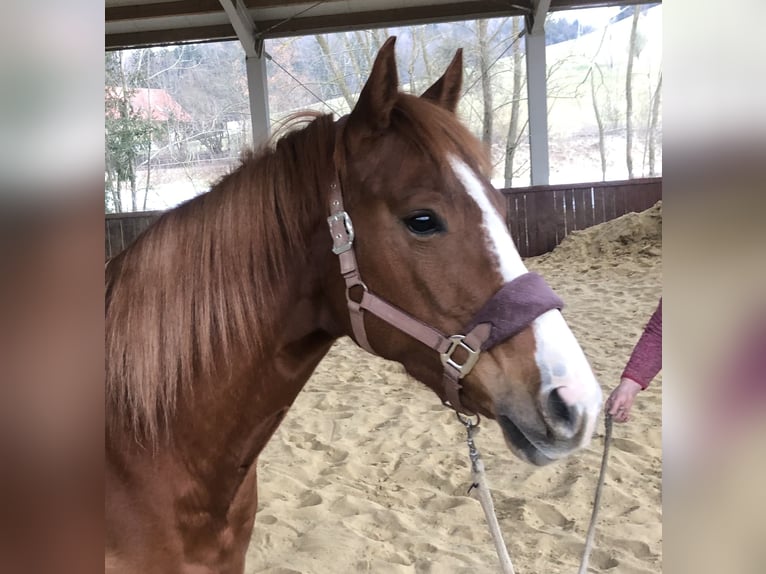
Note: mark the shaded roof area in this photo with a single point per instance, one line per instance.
(139, 23)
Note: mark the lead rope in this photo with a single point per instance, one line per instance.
(485, 497)
(597, 499)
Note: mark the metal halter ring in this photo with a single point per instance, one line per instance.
(458, 341)
(350, 287)
(466, 421)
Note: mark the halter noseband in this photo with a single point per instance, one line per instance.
(506, 313)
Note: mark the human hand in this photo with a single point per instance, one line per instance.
(621, 400)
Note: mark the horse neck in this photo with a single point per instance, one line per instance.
(264, 376)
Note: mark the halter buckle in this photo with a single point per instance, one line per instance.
(342, 239)
(458, 341)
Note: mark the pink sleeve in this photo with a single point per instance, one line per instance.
(646, 360)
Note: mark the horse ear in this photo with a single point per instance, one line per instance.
(373, 110)
(446, 91)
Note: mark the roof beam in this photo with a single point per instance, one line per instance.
(255, 60)
(308, 24)
(536, 20)
(152, 28)
(395, 16)
(244, 27)
(161, 10)
(165, 37)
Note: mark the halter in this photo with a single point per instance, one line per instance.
(512, 308)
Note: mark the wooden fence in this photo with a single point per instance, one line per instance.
(122, 228)
(538, 217)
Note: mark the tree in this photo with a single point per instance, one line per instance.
(599, 121)
(629, 94)
(653, 126)
(335, 73)
(486, 82)
(210, 84)
(512, 140)
(127, 135)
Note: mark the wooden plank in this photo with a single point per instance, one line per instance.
(560, 214)
(512, 217)
(133, 214)
(655, 191)
(161, 10)
(122, 231)
(588, 206)
(581, 198)
(621, 200)
(130, 229)
(546, 214)
(610, 209)
(107, 242)
(134, 228)
(570, 214)
(114, 231)
(533, 225)
(147, 222)
(590, 217)
(636, 198)
(598, 205)
(521, 211)
(627, 193)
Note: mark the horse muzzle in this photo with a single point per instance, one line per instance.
(554, 429)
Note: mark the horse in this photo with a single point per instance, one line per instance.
(382, 226)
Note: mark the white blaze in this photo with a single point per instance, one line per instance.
(558, 354)
(500, 242)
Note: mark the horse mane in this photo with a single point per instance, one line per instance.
(202, 283)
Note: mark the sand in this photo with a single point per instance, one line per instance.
(369, 471)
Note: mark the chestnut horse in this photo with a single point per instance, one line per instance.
(217, 315)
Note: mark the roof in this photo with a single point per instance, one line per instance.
(139, 23)
(154, 103)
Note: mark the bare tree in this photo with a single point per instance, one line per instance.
(629, 93)
(599, 121)
(380, 35)
(127, 131)
(149, 142)
(486, 82)
(512, 141)
(653, 126)
(426, 62)
(334, 71)
(362, 40)
(413, 58)
(354, 55)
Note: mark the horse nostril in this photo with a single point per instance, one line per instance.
(558, 409)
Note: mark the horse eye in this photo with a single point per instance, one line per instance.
(424, 223)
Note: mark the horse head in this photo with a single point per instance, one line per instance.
(428, 239)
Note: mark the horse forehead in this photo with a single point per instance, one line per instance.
(404, 159)
(498, 239)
